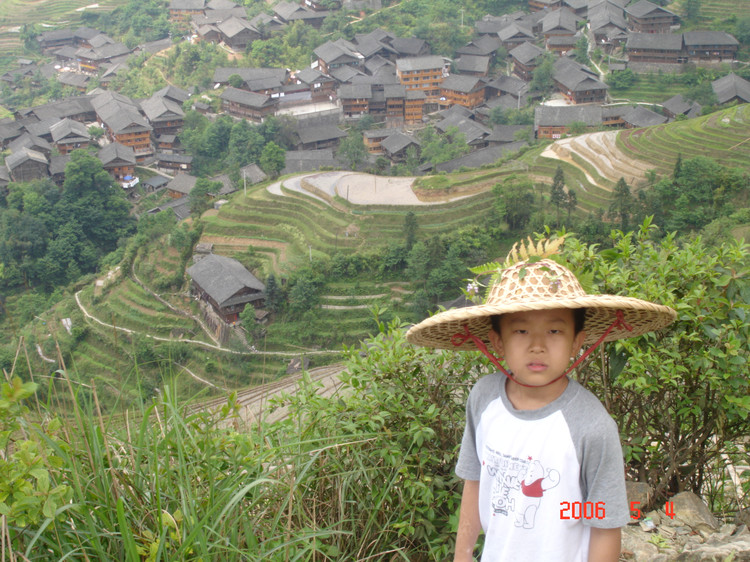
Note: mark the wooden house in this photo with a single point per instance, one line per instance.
(118, 160)
(422, 73)
(67, 135)
(226, 285)
(655, 47)
(248, 105)
(26, 164)
(647, 17)
(553, 122)
(458, 89)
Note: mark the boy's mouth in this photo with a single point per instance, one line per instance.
(536, 366)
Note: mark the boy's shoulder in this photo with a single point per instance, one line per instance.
(588, 414)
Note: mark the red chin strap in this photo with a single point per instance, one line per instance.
(461, 337)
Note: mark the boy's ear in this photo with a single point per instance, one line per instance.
(578, 342)
(496, 341)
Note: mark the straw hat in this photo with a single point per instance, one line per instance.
(540, 285)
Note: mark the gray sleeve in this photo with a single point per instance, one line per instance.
(485, 391)
(597, 442)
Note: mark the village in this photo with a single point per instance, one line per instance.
(396, 81)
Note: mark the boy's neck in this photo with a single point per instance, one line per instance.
(533, 398)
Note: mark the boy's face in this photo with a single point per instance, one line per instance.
(537, 345)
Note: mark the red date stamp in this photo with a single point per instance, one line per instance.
(635, 512)
(582, 510)
(591, 510)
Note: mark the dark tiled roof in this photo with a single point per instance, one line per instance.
(657, 41)
(420, 63)
(477, 158)
(526, 52)
(181, 183)
(709, 38)
(397, 142)
(319, 133)
(731, 86)
(643, 8)
(243, 97)
(69, 130)
(116, 153)
(462, 83)
(639, 116)
(472, 63)
(550, 116)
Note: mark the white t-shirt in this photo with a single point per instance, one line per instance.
(546, 476)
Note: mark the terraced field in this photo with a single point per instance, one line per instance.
(714, 9)
(650, 88)
(292, 226)
(48, 13)
(723, 136)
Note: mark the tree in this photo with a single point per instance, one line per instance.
(200, 195)
(622, 204)
(621, 79)
(418, 263)
(304, 296)
(272, 159)
(353, 149)
(541, 80)
(681, 396)
(557, 191)
(692, 10)
(441, 148)
(274, 294)
(517, 195)
(410, 230)
(581, 48)
(577, 128)
(572, 202)
(91, 199)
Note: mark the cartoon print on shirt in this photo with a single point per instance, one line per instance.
(505, 472)
(533, 486)
(517, 486)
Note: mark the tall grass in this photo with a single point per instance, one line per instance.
(342, 478)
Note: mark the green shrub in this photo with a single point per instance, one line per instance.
(681, 397)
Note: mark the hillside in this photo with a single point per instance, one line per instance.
(125, 326)
(632, 153)
(47, 13)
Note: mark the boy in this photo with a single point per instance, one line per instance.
(541, 458)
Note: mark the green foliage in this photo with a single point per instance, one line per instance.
(557, 196)
(30, 466)
(411, 226)
(622, 204)
(353, 149)
(700, 191)
(680, 396)
(272, 159)
(390, 446)
(518, 202)
(437, 148)
(49, 238)
(541, 80)
(200, 195)
(622, 79)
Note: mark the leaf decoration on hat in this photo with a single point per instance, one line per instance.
(522, 251)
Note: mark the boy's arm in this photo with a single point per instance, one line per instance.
(604, 544)
(469, 524)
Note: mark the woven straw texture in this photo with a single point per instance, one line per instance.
(537, 286)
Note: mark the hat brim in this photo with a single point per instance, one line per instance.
(601, 311)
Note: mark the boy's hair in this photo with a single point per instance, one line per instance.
(579, 318)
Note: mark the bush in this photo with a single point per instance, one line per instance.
(681, 397)
(380, 462)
